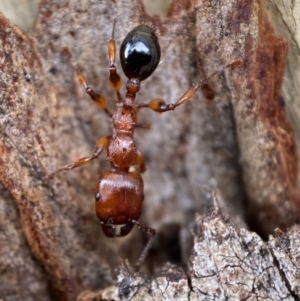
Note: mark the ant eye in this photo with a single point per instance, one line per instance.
(97, 196)
(140, 52)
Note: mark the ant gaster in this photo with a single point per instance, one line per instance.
(119, 192)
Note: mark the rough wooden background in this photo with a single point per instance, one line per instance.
(230, 150)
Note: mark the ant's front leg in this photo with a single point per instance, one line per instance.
(159, 105)
(140, 166)
(140, 162)
(100, 145)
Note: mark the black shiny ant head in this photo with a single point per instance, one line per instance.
(140, 53)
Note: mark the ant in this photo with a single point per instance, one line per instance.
(119, 192)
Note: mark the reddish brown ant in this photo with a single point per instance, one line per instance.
(119, 192)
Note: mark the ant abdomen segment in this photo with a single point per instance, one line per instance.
(140, 53)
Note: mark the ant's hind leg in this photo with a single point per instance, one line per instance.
(99, 99)
(114, 77)
(158, 105)
(100, 146)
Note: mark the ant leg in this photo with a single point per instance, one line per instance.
(158, 105)
(100, 145)
(140, 162)
(114, 77)
(99, 100)
(144, 254)
(143, 126)
(140, 167)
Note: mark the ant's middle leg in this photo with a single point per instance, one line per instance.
(159, 105)
(143, 126)
(100, 146)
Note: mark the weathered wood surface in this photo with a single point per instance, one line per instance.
(20, 12)
(284, 16)
(232, 139)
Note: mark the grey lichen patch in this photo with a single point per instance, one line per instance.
(227, 264)
(170, 284)
(232, 265)
(286, 249)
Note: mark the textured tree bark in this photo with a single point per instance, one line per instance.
(283, 16)
(230, 150)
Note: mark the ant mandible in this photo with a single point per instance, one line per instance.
(119, 192)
